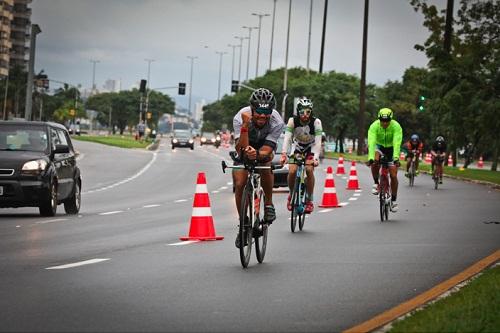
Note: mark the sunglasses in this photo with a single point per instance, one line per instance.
(306, 112)
(263, 111)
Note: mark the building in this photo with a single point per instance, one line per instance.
(6, 17)
(112, 85)
(198, 111)
(20, 34)
(15, 25)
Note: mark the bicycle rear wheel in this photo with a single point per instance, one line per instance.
(387, 206)
(295, 205)
(261, 237)
(246, 221)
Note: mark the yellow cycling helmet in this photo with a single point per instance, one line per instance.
(385, 114)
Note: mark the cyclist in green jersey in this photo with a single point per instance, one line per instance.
(384, 138)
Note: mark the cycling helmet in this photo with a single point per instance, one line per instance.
(414, 137)
(303, 104)
(439, 138)
(385, 114)
(263, 100)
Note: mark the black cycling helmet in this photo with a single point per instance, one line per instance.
(263, 100)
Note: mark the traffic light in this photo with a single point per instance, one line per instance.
(420, 103)
(142, 87)
(182, 88)
(235, 86)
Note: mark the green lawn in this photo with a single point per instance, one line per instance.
(124, 141)
(473, 174)
(474, 308)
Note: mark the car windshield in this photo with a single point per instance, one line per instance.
(182, 134)
(209, 135)
(23, 138)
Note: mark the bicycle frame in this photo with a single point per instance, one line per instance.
(298, 196)
(385, 189)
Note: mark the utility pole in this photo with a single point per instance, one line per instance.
(448, 30)
(309, 39)
(362, 93)
(94, 62)
(258, 41)
(149, 61)
(35, 30)
(272, 36)
(220, 53)
(241, 52)
(191, 81)
(249, 38)
(285, 75)
(323, 38)
(232, 62)
(4, 117)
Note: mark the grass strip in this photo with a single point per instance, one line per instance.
(473, 308)
(115, 140)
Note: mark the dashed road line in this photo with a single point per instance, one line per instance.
(353, 199)
(357, 194)
(50, 221)
(343, 204)
(151, 206)
(183, 243)
(180, 200)
(80, 263)
(215, 191)
(325, 210)
(112, 213)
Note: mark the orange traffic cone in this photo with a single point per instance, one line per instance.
(480, 163)
(340, 166)
(329, 194)
(450, 160)
(353, 184)
(202, 223)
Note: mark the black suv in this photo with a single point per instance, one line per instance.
(38, 167)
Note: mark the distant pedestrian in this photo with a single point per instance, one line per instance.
(141, 128)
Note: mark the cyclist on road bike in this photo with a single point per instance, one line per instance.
(257, 128)
(306, 132)
(384, 138)
(438, 153)
(414, 144)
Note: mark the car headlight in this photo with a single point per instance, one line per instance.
(174, 141)
(203, 139)
(34, 167)
(218, 138)
(213, 140)
(191, 141)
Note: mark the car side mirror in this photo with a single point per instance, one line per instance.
(61, 149)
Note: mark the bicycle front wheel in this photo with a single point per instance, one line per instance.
(412, 174)
(261, 227)
(294, 213)
(246, 221)
(436, 177)
(302, 216)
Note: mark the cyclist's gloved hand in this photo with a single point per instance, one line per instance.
(396, 163)
(316, 162)
(251, 153)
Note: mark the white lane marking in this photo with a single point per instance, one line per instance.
(183, 243)
(111, 213)
(215, 191)
(357, 194)
(223, 188)
(80, 263)
(343, 204)
(325, 210)
(50, 221)
(181, 200)
(151, 206)
(229, 183)
(344, 177)
(18, 226)
(146, 167)
(358, 191)
(352, 199)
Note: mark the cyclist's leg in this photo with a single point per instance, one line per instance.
(310, 184)
(408, 161)
(375, 167)
(267, 182)
(292, 173)
(417, 160)
(239, 179)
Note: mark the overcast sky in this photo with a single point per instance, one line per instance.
(122, 33)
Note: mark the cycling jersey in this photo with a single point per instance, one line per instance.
(439, 147)
(392, 136)
(258, 137)
(307, 137)
(418, 147)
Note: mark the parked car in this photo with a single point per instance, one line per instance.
(182, 138)
(210, 139)
(38, 167)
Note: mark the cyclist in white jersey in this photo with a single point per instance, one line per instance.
(306, 131)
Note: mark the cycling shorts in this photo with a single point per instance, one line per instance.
(308, 154)
(388, 152)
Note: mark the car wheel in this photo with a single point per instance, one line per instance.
(72, 204)
(192, 147)
(48, 206)
(173, 147)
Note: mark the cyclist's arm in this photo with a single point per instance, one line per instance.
(241, 124)
(397, 139)
(288, 136)
(372, 140)
(318, 130)
(265, 153)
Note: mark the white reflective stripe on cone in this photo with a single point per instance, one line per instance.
(201, 188)
(353, 178)
(330, 190)
(329, 176)
(201, 211)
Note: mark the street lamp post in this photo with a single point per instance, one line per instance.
(258, 41)
(285, 76)
(272, 36)
(241, 51)
(220, 53)
(249, 39)
(191, 81)
(149, 61)
(35, 30)
(309, 38)
(94, 62)
(232, 61)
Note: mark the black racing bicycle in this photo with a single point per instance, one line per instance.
(299, 194)
(252, 224)
(385, 189)
(412, 171)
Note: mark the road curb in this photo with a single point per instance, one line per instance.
(154, 145)
(429, 295)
